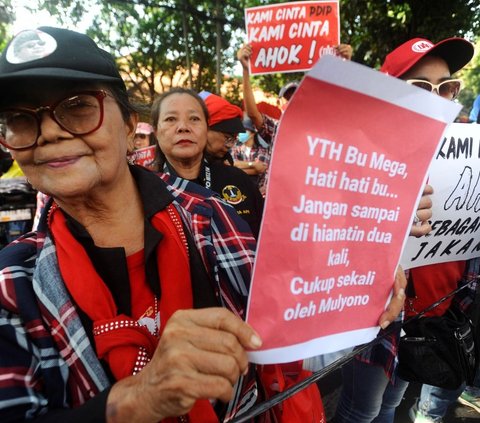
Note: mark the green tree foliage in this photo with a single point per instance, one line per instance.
(471, 78)
(149, 35)
(375, 27)
(6, 18)
(148, 43)
(153, 39)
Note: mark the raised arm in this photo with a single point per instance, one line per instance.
(243, 55)
(345, 51)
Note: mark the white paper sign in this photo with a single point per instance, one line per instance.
(455, 178)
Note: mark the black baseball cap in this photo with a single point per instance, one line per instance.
(56, 53)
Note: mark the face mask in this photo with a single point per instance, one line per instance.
(243, 137)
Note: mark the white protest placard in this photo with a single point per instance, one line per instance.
(344, 181)
(455, 178)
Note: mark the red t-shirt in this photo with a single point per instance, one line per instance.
(431, 283)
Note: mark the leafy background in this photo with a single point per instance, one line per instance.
(164, 43)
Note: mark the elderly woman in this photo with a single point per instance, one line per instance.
(103, 310)
(186, 128)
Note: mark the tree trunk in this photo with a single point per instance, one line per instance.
(219, 47)
(187, 51)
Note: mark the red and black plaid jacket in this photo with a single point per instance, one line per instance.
(47, 363)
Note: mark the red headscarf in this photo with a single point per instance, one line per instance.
(221, 111)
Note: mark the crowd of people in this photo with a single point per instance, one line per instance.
(127, 302)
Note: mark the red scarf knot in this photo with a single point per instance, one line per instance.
(124, 344)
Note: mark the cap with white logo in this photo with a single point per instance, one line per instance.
(30, 45)
(456, 52)
(422, 46)
(56, 53)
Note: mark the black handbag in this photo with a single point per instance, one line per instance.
(439, 351)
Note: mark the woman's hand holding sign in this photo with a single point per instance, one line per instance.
(345, 51)
(398, 299)
(421, 225)
(244, 54)
(201, 355)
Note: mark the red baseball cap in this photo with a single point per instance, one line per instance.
(456, 52)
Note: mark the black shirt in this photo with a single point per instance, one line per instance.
(235, 187)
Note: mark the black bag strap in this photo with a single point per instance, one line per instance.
(315, 377)
(411, 293)
(475, 313)
(440, 301)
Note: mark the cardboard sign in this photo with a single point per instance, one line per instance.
(144, 156)
(343, 188)
(455, 178)
(290, 37)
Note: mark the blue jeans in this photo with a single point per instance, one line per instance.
(474, 390)
(434, 401)
(367, 395)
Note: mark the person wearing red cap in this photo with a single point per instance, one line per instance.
(185, 140)
(454, 52)
(428, 66)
